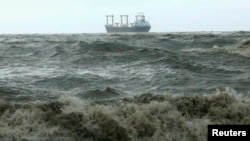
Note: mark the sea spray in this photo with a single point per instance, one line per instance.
(145, 117)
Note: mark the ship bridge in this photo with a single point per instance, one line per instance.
(140, 20)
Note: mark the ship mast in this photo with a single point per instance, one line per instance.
(126, 16)
(107, 19)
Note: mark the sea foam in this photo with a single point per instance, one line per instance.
(145, 117)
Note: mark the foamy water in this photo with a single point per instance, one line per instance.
(144, 117)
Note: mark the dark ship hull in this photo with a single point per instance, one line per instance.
(113, 29)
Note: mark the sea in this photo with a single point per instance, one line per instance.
(122, 87)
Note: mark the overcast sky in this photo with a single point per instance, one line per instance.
(89, 16)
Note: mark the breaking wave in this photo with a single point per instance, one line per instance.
(242, 48)
(145, 117)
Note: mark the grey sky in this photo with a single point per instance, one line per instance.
(88, 16)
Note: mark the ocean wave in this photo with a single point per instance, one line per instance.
(186, 63)
(104, 46)
(202, 50)
(145, 117)
(65, 82)
(97, 94)
(133, 36)
(242, 48)
(196, 38)
(14, 93)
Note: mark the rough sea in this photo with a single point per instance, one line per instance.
(122, 87)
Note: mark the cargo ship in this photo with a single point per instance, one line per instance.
(140, 24)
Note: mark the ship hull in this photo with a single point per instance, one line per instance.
(113, 29)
